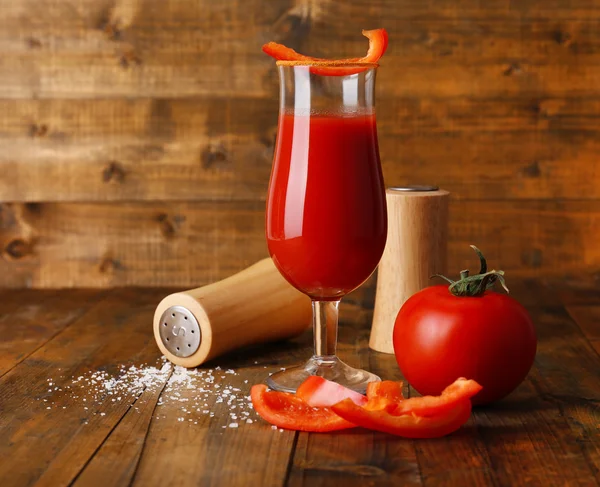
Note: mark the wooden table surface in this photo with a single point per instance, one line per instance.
(545, 434)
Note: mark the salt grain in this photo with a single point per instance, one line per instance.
(101, 388)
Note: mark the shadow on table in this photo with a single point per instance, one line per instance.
(280, 353)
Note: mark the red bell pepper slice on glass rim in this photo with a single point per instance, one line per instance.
(408, 425)
(459, 391)
(290, 412)
(378, 43)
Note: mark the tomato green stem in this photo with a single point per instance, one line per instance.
(477, 285)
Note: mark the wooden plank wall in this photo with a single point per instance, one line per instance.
(136, 136)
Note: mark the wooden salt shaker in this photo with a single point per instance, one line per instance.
(415, 250)
(256, 305)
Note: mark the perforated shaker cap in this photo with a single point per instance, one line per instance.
(415, 188)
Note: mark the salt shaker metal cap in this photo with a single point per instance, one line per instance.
(416, 249)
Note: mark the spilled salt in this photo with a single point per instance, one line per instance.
(183, 393)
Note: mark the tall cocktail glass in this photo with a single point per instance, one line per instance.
(326, 221)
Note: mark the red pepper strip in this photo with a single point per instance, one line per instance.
(407, 426)
(459, 391)
(378, 42)
(283, 53)
(290, 412)
(319, 392)
(386, 395)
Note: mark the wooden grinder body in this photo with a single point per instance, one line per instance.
(254, 306)
(416, 249)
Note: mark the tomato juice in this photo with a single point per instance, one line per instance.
(326, 220)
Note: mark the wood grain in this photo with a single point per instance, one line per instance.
(545, 433)
(116, 460)
(207, 450)
(60, 434)
(27, 323)
(194, 243)
(221, 148)
(107, 49)
(416, 249)
(588, 320)
(128, 101)
(562, 417)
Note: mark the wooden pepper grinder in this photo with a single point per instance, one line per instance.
(256, 305)
(415, 250)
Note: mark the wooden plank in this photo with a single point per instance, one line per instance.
(588, 320)
(536, 233)
(103, 76)
(117, 459)
(47, 434)
(30, 319)
(325, 31)
(221, 149)
(493, 165)
(140, 53)
(197, 444)
(205, 148)
(143, 244)
(576, 288)
(30, 13)
(189, 244)
(558, 414)
(427, 39)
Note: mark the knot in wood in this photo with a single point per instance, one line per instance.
(214, 156)
(167, 225)
(109, 265)
(113, 172)
(512, 69)
(33, 43)
(563, 38)
(18, 248)
(129, 58)
(36, 130)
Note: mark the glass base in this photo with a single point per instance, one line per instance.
(330, 368)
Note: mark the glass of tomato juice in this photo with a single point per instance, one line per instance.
(326, 219)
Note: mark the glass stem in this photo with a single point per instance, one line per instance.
(325, 327)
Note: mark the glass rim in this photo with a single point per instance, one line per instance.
(327, 64)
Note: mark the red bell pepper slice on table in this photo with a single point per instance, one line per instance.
(290, 412)
(386, 395)
(383, 409)
(408, 425)
(378, 43)
(459, 391)
(417, 417)
(319, 392)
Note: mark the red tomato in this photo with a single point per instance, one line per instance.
(290, 412)
(439, 337)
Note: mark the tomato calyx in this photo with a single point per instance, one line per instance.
(478, 284)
